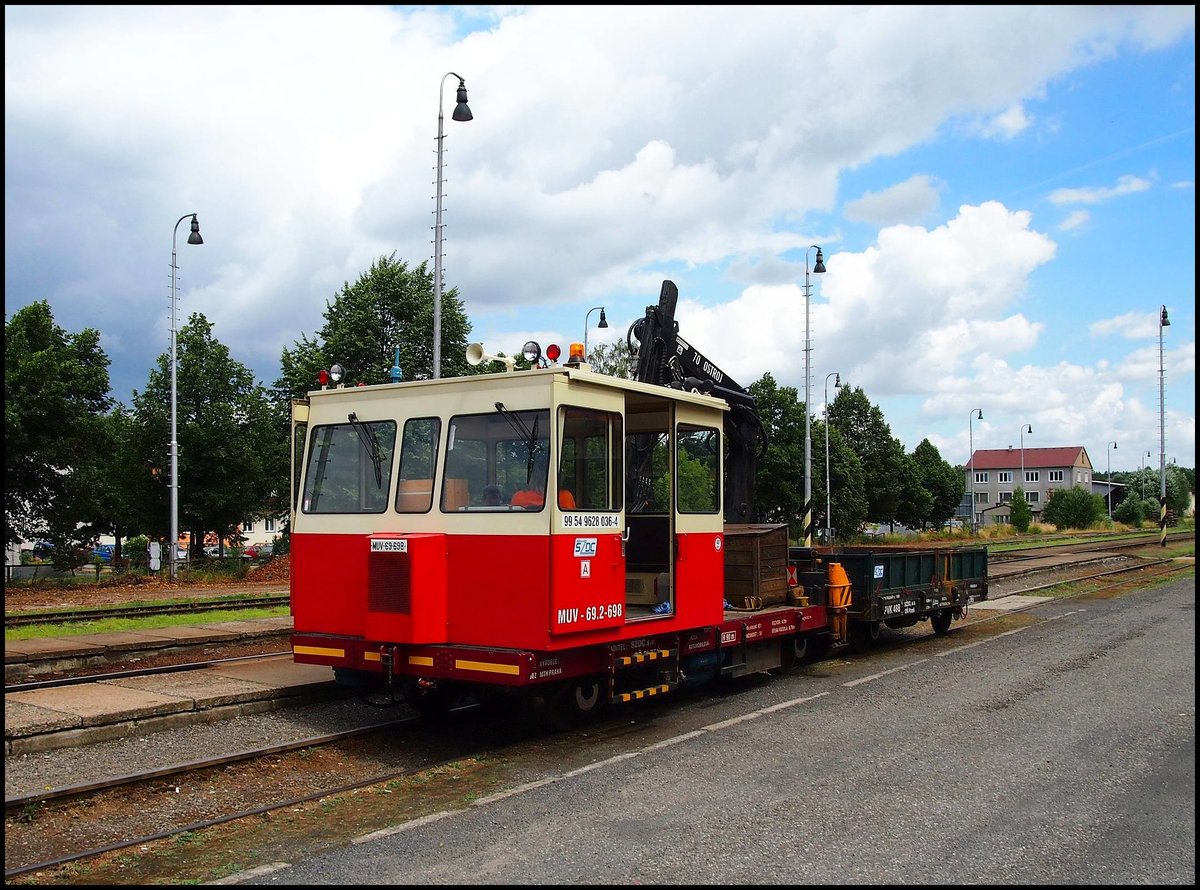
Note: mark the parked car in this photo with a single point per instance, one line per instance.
(103, 552)
(267, 550)
(251, 551)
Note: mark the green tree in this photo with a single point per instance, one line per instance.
(916, 502)
(945, 485)
(880, 454)
(1018, 511)
(55, 392)
(390, 305)
(613, 359)
(119, 484)
(232, 457)
(779, 475)
(1073, 507)
(846, 496)
(1131, 510)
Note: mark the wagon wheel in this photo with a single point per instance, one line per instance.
(433, 704)
(795, 651)
(864, 635)
(941, 621)
(574, 701)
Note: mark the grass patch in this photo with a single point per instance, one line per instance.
(150, 622)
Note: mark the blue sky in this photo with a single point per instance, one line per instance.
(1005, 196)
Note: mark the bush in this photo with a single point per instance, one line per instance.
(137, 552)
(1074, 507)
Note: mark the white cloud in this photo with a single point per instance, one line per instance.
(612, 147)
(909, 201)
(1126, 185)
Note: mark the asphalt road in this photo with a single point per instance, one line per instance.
(1051, 746)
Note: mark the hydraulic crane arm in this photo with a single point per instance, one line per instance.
(666, 359)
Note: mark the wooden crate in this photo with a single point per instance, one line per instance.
(756, 558)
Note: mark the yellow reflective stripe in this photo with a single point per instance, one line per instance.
(487, 666)
(645, 656)
(421, 660)
(319, 650)
(372, 656)
(644, 693)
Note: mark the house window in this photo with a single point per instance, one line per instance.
(247, 526)
(1032, 475)
(1005, 497)
(1056, 475)
(269, 525)
(1033, 497)
(1001, 519)
(982, 497)
(981, 478)
(1005, 476)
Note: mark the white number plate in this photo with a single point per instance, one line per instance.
(389, 545)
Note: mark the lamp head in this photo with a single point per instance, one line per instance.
(194, 237)
(820, 266)
(979, 416)
(1163, 321)
(461, 111)
(603, 320)
(837, 381)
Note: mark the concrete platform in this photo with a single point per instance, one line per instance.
(1010, 603)
(62, 716)
(78, 713)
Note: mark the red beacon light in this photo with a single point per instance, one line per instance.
(334, 375)
(553, 352)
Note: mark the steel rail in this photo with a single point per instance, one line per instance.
(99, 613)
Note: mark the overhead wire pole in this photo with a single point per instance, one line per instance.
(976, 414)
(193, 238)
(828, 496)
(808, 515)
(461, 113)
(1111, 447)
(1163, 322)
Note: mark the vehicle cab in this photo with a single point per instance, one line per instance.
(529, 510)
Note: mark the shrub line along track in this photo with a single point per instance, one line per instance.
(1162, 568)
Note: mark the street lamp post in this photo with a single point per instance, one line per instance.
(828, 498)
(193, 238)
(1143, 465)
(1112, 446)
(976, 414)
(603, 324)
(817, 268)
(1026, 428)
(1163, 322)
(461, 113)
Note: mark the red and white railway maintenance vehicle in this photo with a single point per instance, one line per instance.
(564, 535)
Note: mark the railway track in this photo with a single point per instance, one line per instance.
(1115, 544)
(425, 748)
(174, 607)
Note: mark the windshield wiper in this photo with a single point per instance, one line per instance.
(529, 437)
(367, 436)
